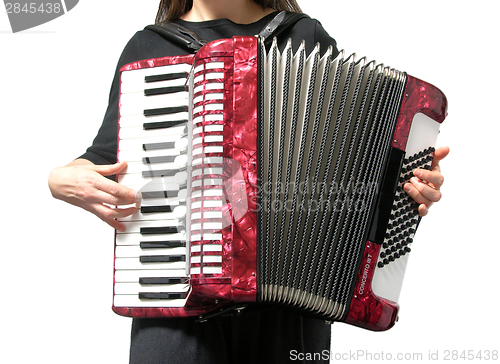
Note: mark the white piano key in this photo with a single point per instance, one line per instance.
(135, 263)
(137, 155)
(141, 85)
(123, 239)
(134, 301)
(135, 226)
(131, 155)
(132, 276)
(137, 143)
(135, 251)
(170, 201)
(140, 74)
(179, 212)
(139, 132)
(135, 288)
(153, 102)
(136, 179)
(161, 185)
(140, 120)
(179, 163)
(139, 99)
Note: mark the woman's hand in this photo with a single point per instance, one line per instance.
(81, 183)
(424, 187)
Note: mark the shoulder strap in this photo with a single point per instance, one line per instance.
(188, 39)
(179, 35)
(279, 24)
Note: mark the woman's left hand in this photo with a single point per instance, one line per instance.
(424, 187)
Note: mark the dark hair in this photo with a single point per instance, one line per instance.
(174, 9)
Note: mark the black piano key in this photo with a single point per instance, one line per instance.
(159, 230)
(159, 194)
(160, 173)
(163, 280)
(152, 209)
(164, 90)
(165, 77)
(161, 159)
(157, 146)
(162, 244)
(162, 295)
(165, 110)
(162, 258)
(163, 124)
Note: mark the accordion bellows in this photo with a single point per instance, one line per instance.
(272, 176)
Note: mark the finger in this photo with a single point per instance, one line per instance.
(110, 169)
(117, 190)
(434, 178)
(415, 194)
(423, 210)
(439, 155)
(99, 196)
(426, 192)
(109, 215)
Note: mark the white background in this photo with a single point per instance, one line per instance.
(56, 260)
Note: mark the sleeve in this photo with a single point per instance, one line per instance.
(324, 39)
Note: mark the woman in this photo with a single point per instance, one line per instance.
(268, 334)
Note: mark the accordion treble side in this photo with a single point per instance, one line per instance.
(270, 176)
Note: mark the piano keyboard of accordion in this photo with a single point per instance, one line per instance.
(281, 184)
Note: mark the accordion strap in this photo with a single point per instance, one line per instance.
(188, 39)
(179, 35)
(279, 24)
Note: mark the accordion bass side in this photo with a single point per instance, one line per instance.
(270, 176)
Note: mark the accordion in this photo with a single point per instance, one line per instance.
(270, 176)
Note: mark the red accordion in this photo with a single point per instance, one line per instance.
(270, 176)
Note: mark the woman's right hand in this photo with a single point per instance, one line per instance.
(83, 184)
